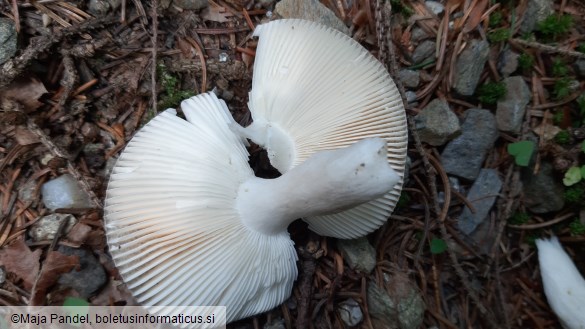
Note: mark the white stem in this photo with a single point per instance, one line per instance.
(326, 183)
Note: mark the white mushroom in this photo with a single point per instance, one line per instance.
(188, 223)
(563, 285)
(315, 89)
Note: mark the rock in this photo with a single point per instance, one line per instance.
(469, 66)
(277, 323)
(358, 253)
(543, 192)
(482, 196)
(350, 312)
(88, 278)
(536, 12)
(464, 155)
(436, 124)
(580, 67)
(410, 96)
(8, 39)
(2, 275)
(26, 192)
(418, 34)
(423, 51)
(409, 78)
(46, 227)
(191, 4)
(94, 155)
(508, 62)
(403, 308)
(435, 7)
(102, 7)
(64, 192)
(311, 10)
(511, 109)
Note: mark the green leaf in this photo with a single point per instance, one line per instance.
(572, 176)
(74, 301)
(522, 152)
(76, 306)
(583, 146)
(438, 246)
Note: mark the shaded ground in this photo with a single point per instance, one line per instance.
(93, 75)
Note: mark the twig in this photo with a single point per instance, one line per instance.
(548, 49)
(154, 15)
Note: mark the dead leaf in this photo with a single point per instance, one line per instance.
(79, 233)
(54, 265)
(215, 14)
(24, 136)
(26, 92)
(18, 259)
(547, 131)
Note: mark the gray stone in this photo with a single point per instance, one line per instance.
(358, 253)
(536, 12)
(102, 7)
(277, 323)
(64, 192)
(311, 10)
(46, 227)
(482, 196)
(350, 312)
(508, 62)
(2, 275)
(26, 193)
(469, 66)
(410, 96)
(409, 78)
(8, 39)
(404, 308)
(435, 7)
(423, 51)
(418, 34)
(543, 192)
(436, 124)
(90, 275)
(191, 4)
(580, 67)
(511, 109)
(464, 155)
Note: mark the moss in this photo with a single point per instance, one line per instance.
(574, 194)
(491, 92)
(555, 26)
(496, 18)
(576, 227)
(563, 137)
(173, 96)
(561, 88)
(519, 218)
(558, 117)
(525, 62)
(399, 7)
(499, 35)
(559, 68)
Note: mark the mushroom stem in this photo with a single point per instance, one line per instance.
(326, 183)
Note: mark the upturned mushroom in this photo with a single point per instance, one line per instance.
(188, 223)
(563, 285)
(313, 89)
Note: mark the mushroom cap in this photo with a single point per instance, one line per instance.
(314, 89)
(171, 223)
(563, 285)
